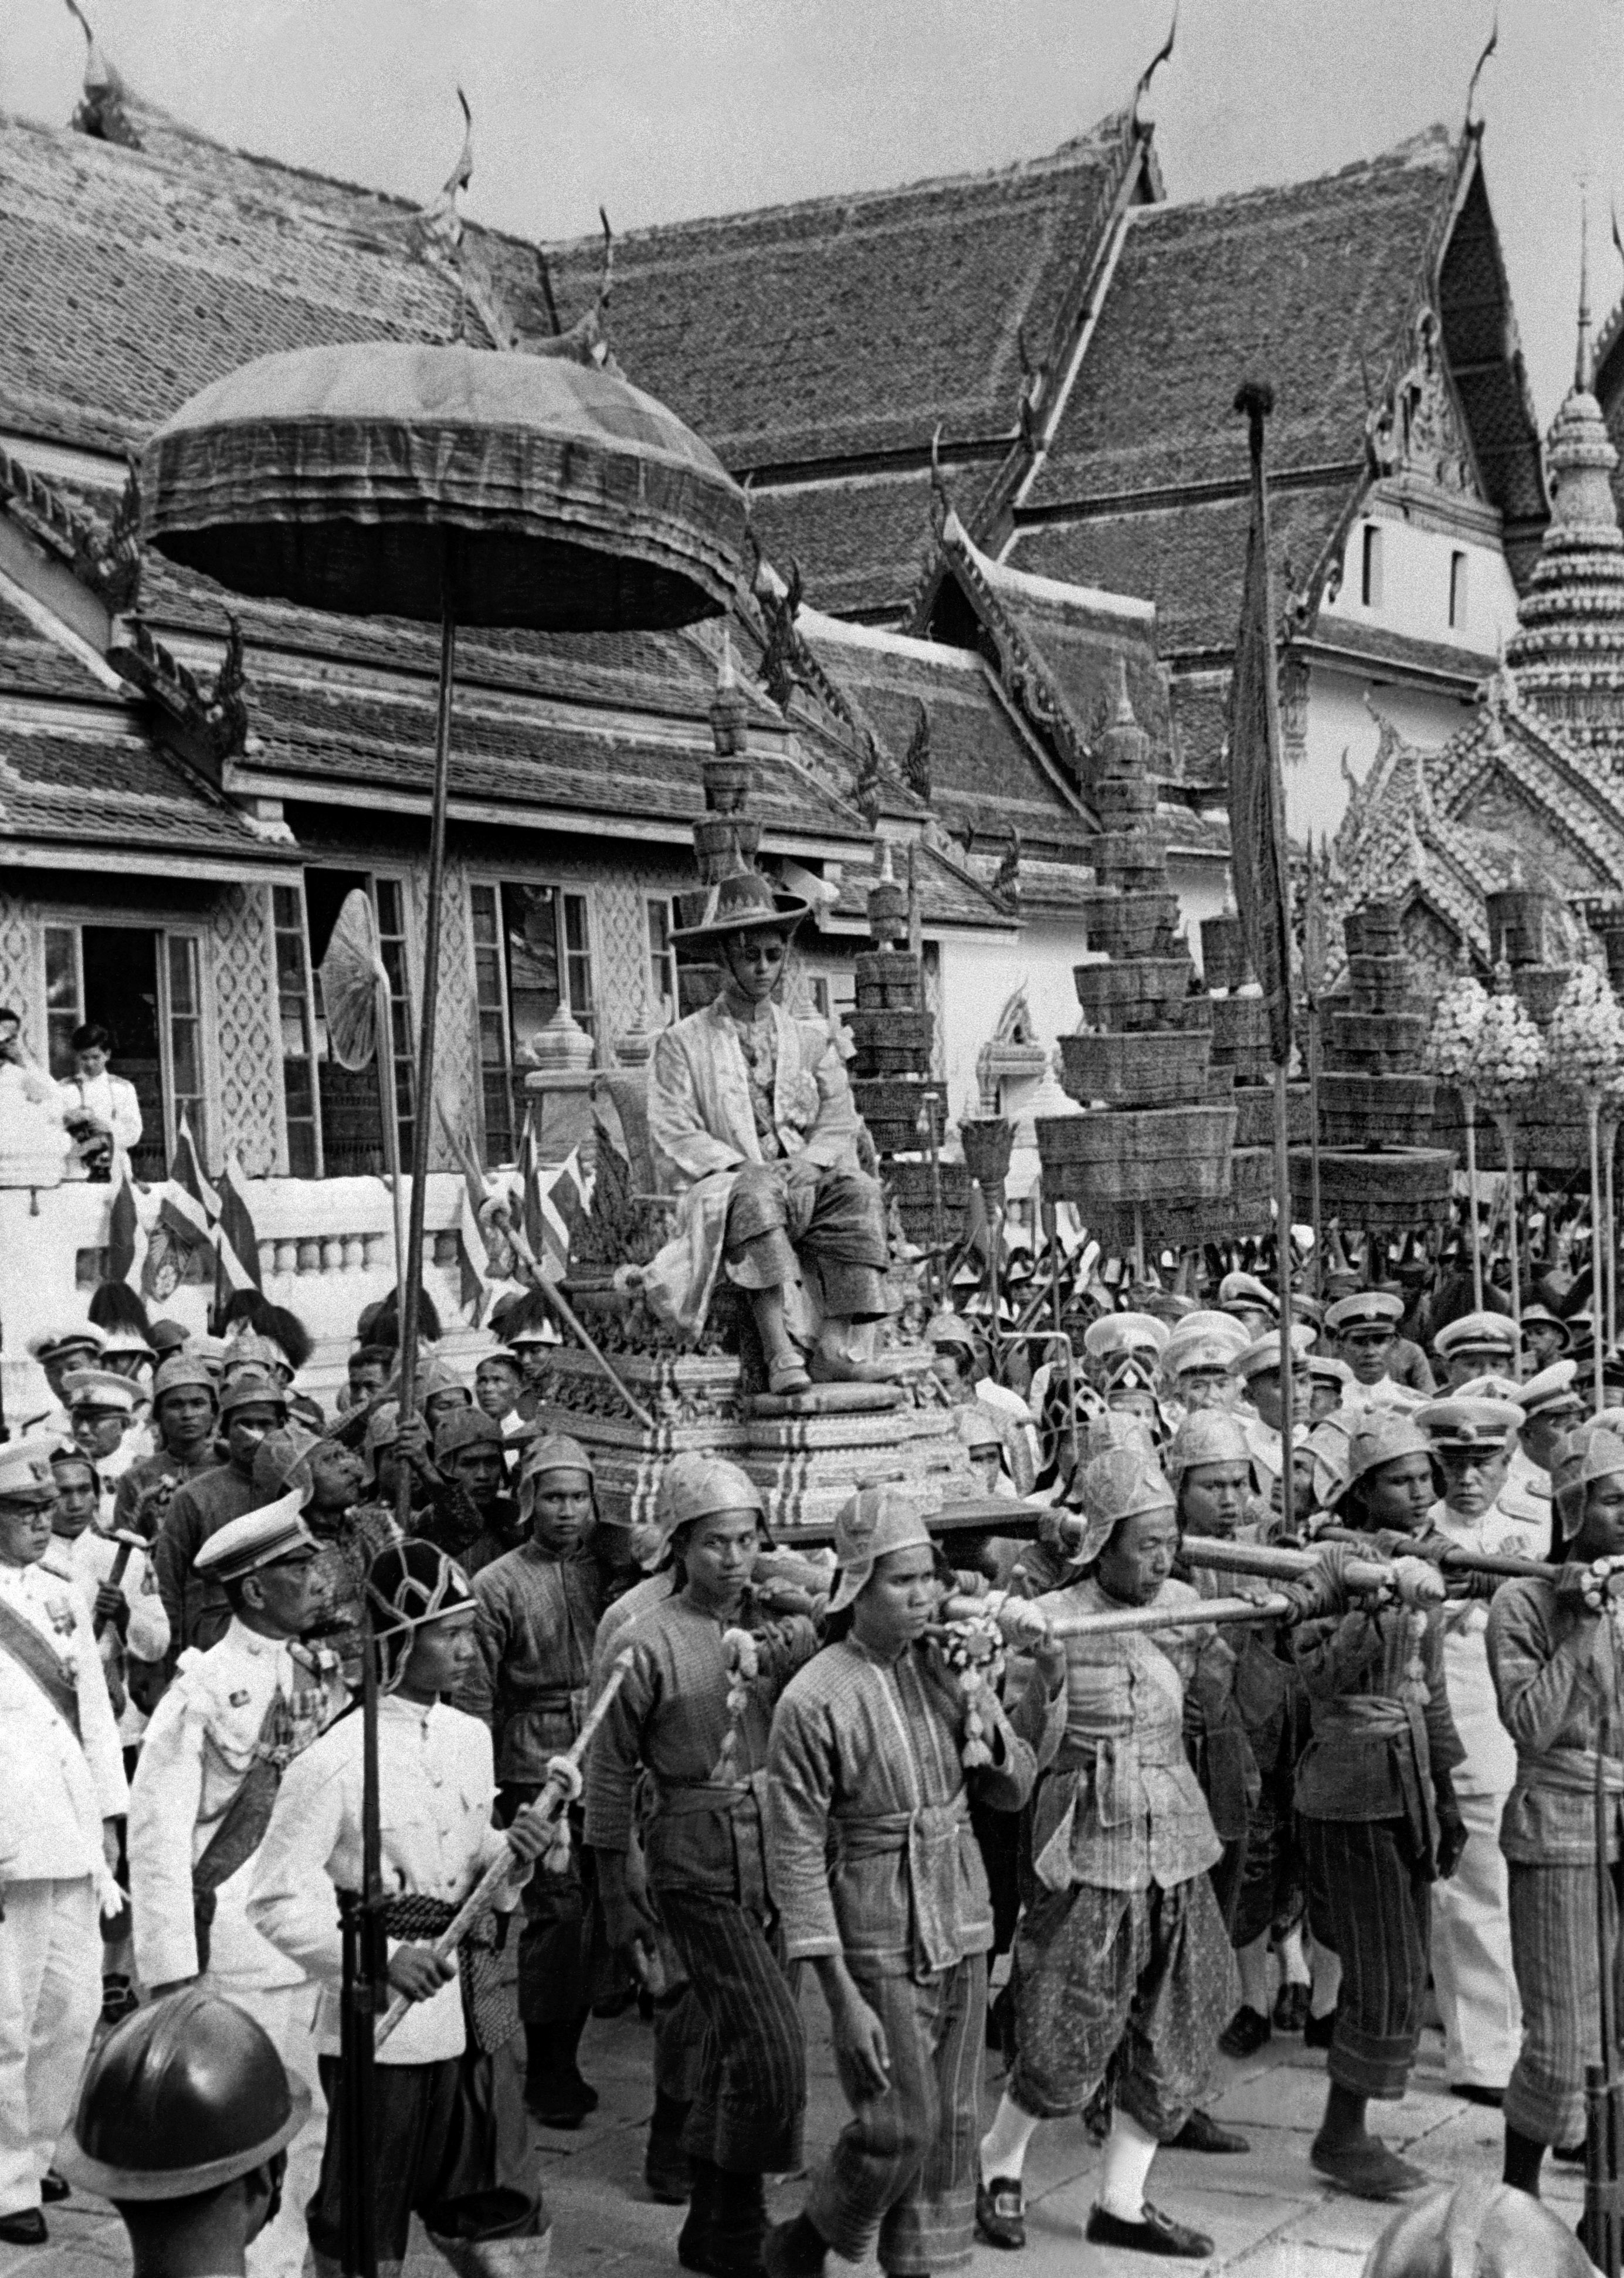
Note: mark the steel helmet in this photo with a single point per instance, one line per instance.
(185, 2095)
(1480, 2229)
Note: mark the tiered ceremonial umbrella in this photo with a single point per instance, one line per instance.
(461, 487)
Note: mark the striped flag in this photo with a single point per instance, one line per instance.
(236, 1238)
(126, 1237)
(554, 1204)
(472, 1257)
(190, 1206)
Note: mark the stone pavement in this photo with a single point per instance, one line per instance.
(1266, 2214)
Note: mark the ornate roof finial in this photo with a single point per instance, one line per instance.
(1489, 46)
(1162, 55)
(1584, 369)
(941, 503)
(102, 115)
(441, 219)
(729, 711)
(1125, 717)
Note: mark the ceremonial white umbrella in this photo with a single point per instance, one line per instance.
(459, 486)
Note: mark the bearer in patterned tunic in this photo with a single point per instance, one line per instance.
(874, 1758)
(450, 2134)
(539, 1607)
(753, 1130)
(1124, 1967)
(193, 1597)
(1376, 1800)
(1557, 1662)
(214, 1756)
(62, 1789)
(691, 1720)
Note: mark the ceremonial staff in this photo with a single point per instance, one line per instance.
(1602, 2230)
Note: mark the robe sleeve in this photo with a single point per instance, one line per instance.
(677, 1130)
(800, 1788)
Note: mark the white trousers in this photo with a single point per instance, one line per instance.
(1471, 1953)
(50, 1998)
(287, 2014)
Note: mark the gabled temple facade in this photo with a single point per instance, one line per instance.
(1531, 789)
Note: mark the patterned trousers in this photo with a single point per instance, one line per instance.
(904, 2164)
(1369, 1900)
(750, 2095)
(452, 2150)
(1558, 1975)
(1128, 1987)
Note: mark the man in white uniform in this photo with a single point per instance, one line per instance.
(62, 1786)
(1471, 1926)
(210, 1767)
(99, 1109)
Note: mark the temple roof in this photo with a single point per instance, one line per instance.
(1319, 287)
(129, 278)
(818, 345)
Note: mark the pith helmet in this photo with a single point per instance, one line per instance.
(184, 2096)
(1480, 2229)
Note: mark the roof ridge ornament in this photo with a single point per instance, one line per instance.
(1489, 45)
(105, 559)
(1585, 363)
(102, 115)
(1164, 54)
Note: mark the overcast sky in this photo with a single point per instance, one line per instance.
(664, 107)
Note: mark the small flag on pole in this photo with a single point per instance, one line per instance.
(190, 1206)
(236, 1238)
(473, 1257)
(126, 1238)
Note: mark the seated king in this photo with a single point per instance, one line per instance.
(754, 1131)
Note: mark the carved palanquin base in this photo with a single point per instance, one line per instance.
(806, 1467)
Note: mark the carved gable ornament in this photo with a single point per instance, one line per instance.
(1417, 430)
(1012, 1054)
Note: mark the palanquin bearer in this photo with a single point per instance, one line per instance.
(62, 1789)
(691, 1720)
(538, 1612)
(1557, 1663)
(1376, 1803)
(876, 1750)
(450, 2142)
(753, 1130)
(1123, 1964)
(219, 1744)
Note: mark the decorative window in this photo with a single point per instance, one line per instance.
(143, 985)
(296, 1010)
(1457, 591)
(663, 1002)
(345, 1129)
(1370, 568)
(532, 952)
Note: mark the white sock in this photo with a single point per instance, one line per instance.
(1327, 1982)
(1129, 2151)
(1253, 1964)
(1003, 2147)
(1293, 1962)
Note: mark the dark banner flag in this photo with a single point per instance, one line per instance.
(1256, 800)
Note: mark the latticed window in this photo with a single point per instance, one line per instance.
(296, 1011)
(532, 952)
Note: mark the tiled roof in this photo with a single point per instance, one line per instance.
(861, 541)
(1295, 284)
(101, 789)
(1081, 638)
(842, 327)
(1200, 710)
(31, 664)
(379, 735)
(128, 278)
(950, 893)
(985, 772)
(1188, 558)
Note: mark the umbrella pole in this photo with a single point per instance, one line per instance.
(1593, 1108)
(392, 1128)
(1469, 1109)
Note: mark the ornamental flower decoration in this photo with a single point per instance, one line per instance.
(1456, 1019)
(1508, 1055)
(1585, 1035)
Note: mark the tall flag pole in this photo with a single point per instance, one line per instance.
(1257, 858)
(1314, 946)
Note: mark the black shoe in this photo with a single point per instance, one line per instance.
(559, 2099)
(1316, 2031)
(726, 2226)
(1201, 2132)
(54, 2187)
(1368, 2170)
(25, 2229)
(1472, 2091)
(1291, 2008)
(1245, 2034)
(1155, 2233)
(793, 2250)
(1001, 2212)
(1571, 2155)
(119, 1999)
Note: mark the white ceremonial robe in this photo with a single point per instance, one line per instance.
(702, 1129)
(56, 1790)
(436, 1785)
